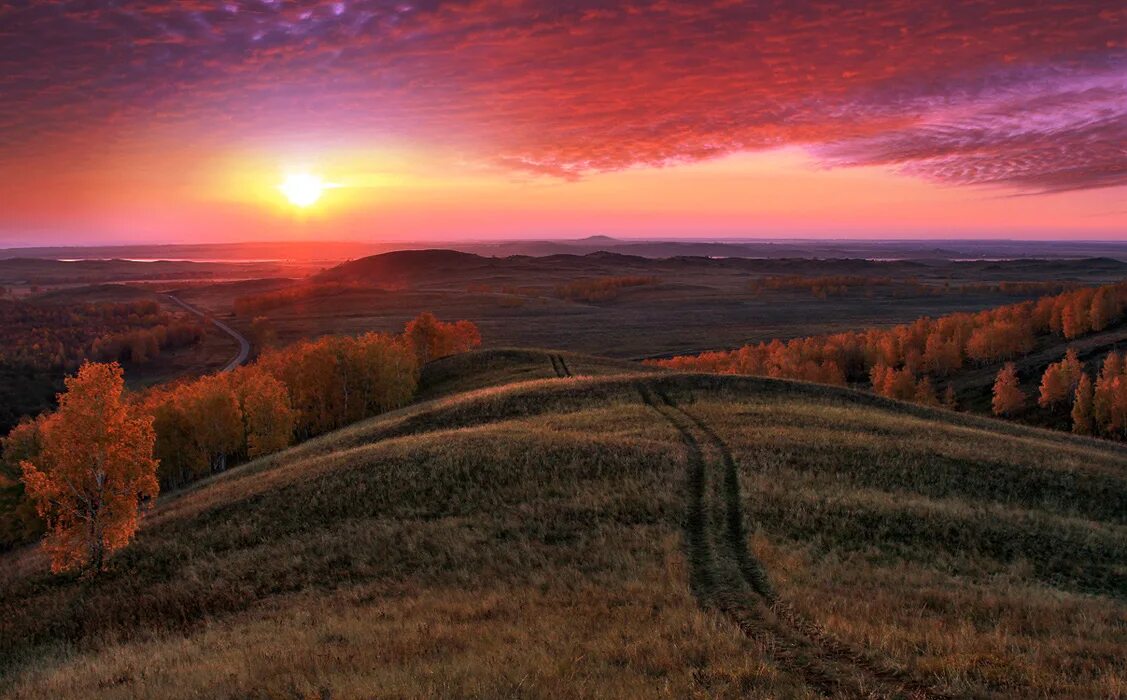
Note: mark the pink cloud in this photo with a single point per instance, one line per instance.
(1005, 92)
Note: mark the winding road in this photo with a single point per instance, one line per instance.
(244, 344)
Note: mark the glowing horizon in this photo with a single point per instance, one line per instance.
(486, 119)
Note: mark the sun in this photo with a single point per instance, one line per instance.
(303, 189)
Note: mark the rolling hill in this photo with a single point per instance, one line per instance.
(441, 266)
(547, 524)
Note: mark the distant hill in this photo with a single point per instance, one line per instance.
(550, 524)
(406, 266)
(402, 265)
(597, 239)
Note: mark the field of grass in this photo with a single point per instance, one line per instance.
(547, 524)
(688, 304)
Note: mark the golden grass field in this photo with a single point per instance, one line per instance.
(546, 524)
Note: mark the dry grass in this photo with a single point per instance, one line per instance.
(527, 541)
(643, 637)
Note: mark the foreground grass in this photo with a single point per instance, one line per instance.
(529, 540)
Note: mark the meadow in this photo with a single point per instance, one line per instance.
(667, 306)
(685, 305)
(543, 523)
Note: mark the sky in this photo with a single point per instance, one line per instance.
(148, 121)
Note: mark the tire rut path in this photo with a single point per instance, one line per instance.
(559, 366)
(725, 575)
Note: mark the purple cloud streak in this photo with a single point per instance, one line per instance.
(1017, 93)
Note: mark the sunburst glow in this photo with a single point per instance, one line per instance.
(303, 189)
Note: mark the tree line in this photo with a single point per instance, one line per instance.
(87, 467)
(907, 360)
(825, 286)
(1094, 408)
(601, 288)
(52, 336)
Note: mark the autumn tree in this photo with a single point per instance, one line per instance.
(1071, 368)
(432, 339)
(1008, 396)
(263, 333)
(1082, 406)
(268, 418)
(942, 355)
(925, 393)
(1109, 402)
(216, 420)
(94, 465)
(1054, 387)
(1071, 322)
(19, 521)
(1103, 400)
(950, 401)
(1103, 309)
(198, 426)
(336, 380)
(1059, 382)
(937, 347)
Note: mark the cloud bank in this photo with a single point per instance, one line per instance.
(1030, 95)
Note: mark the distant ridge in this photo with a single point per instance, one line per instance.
(402, 265)
(599, 238)
(436, 265)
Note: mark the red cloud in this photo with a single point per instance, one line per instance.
(1007, 92)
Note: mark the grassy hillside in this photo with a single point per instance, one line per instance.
(526, 533)
(497, 367)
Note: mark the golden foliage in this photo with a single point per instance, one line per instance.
(94, 465)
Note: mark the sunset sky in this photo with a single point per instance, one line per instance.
(155, 121)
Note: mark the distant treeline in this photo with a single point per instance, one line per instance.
(204, 425)
(593, 289)
(904, 361)
(601, 288)
(827, 286)
(40, 342)
(50, 336)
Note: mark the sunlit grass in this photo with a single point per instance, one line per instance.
(527, 540)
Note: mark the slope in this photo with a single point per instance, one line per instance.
(623, 535)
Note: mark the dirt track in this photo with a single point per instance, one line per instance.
(726, 576)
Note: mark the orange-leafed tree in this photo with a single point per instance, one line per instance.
(1082, 406)
(942, 356)
(422, 334)
(1059, 382)
(94, 465)
(901, 385)
(216, 420)
(925, 393)
(1103, 400)
(950, 400)
(1071, 368)
(1054, 387)
(432, 339)
(268, 418)
(1008, 396)
(1103, 309)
